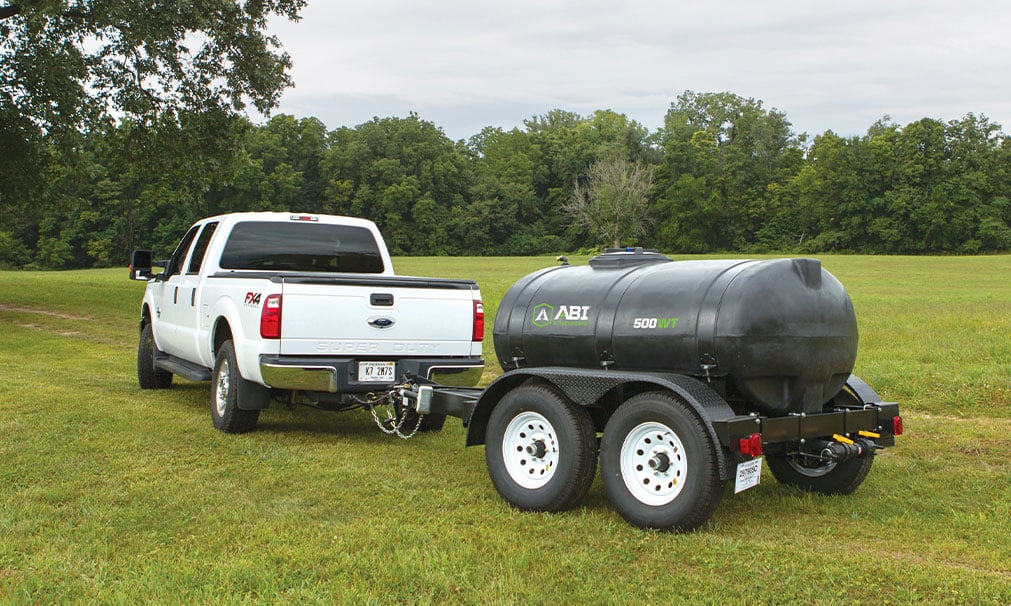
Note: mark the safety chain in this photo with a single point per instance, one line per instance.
(390, 425)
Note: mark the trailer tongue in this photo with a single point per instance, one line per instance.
(693, 372)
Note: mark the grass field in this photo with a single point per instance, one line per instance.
(114, 495)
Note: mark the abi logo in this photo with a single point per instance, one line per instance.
(566, 315)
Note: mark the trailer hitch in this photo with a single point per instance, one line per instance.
(397, 404)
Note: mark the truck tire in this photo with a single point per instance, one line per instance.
(541, 450)
(148, 376)
(226, 387)
(659, 465)
(824, 478)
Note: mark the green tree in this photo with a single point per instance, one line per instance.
(613, 204)
(732, 153)
(504, 215)
(69, 66)
(277, 167)
(402, 173)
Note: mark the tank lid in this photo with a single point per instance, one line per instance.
(627, 257)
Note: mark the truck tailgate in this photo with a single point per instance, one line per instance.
(399, 317)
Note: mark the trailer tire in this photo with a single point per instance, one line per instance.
(829, 478)
(541, 449)
(659, 464)
(226, 386)
(148, 376)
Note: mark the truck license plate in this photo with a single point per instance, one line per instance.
(749, 474)
(376, 372)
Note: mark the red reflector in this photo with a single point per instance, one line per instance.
(270, 318)
(478, 334)
(897, 426)
(751, 445)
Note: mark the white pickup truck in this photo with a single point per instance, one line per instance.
(303, 309)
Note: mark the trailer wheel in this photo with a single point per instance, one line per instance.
(659, 465)
(826, 477)
(541, 450)
(225, 387)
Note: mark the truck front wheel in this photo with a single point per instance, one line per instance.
(226, 386)
(148, 376)
(659, 465)
(541, 450)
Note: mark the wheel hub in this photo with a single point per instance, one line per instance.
(530, 450)
(654, 465)
(659, 463)
(537, 449)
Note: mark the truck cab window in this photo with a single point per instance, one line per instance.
(200, 248)
(176, 260)
(316, 247)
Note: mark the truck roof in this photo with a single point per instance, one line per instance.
(291, 216)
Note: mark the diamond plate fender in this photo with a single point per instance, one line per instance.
(596, 388)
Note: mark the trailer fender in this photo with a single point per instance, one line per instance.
(862, 390)
(588, 387)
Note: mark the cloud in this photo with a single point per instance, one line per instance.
(464, 65)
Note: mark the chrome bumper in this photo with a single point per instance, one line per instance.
(341, 375)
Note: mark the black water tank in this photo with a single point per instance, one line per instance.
(782, 331)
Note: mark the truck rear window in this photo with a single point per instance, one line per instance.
(302, 247)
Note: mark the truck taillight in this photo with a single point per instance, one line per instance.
(478, 334)
(270, 318)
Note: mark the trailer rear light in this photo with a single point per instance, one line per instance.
(478, 333)
(751, 445)
(897, 426)
(270, 318)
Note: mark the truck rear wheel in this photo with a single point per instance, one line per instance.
(148, 376)
(541, 450)
(226, 386)
(659, 466)
(824, 477)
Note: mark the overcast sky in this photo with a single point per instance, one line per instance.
(467, 64)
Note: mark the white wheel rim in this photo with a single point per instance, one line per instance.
(221, 392)
(811, 472)
(654, 464)
(530, 450)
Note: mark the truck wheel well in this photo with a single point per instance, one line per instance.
(222, 333)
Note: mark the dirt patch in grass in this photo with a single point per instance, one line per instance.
(62, 325)
(43, 312)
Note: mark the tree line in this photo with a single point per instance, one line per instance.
(723, 174)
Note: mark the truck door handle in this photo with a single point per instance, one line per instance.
(381, 299)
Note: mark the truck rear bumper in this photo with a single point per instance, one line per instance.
(340, 375)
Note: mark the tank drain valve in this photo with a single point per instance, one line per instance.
(845, 450)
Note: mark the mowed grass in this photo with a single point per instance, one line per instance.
(116, 495)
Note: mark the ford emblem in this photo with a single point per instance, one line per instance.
(381, 322)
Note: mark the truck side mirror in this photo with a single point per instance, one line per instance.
(140, 265)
